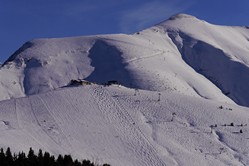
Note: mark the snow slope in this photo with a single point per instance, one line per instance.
(111, 124)
(176, 106)
(182, 54)
(220, 53)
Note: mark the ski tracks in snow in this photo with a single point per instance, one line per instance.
(48, 123)
(146, 57)
(125, 126)
(25, 120)
(163, 150)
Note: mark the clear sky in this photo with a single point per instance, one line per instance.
(23, 20)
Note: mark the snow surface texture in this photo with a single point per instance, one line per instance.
(196, 66)
(113, 125)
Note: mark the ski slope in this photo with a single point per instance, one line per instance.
(113, 125)
(184, 83)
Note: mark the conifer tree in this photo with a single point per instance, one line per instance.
(60, 160)
(9, 157)
(32, 158)
(68, 160)
(40, 158)
(2, 156)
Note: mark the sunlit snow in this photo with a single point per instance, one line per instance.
(182, 82)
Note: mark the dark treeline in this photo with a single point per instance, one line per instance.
(42, 159)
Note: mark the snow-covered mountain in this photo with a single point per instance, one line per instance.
(190, 75)
(182, 54)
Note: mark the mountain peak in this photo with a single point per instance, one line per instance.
(182, 16)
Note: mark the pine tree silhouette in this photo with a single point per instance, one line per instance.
(9, 159)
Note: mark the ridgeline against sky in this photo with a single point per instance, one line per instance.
(25, 20)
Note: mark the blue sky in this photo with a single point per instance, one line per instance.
(23, 20)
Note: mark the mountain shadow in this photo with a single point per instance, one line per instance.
(108, 65)
(230, 76)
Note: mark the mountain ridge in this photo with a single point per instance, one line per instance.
(174, 42)
(176, 105)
